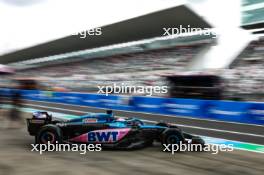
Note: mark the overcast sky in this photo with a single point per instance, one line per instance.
(25, 23)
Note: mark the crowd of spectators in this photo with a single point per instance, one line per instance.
(245, 78)
(143, 68)
(165, 59)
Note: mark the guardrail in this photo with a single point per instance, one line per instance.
(243, 112)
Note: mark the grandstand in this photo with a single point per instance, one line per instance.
(141, 68)
(133, 51)
(161, 59)
(245, 78)
(252, 12)
(145, 61)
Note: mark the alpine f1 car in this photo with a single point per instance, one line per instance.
(106, 129)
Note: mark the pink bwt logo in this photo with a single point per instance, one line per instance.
(102, 136)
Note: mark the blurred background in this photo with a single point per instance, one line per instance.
(44, 45)
(225, 64)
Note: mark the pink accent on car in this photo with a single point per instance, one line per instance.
(102, 136)
(81, 138)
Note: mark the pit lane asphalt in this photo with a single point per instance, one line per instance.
(16, 158)
(217, 129)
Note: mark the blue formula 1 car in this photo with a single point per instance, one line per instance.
(106, 129)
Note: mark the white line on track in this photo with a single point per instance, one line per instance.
(152, 121)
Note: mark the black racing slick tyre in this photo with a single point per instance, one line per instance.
(49, 134)
(172, 136)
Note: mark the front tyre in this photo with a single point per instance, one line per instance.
(172, 136)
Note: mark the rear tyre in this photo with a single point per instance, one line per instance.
(49, 134)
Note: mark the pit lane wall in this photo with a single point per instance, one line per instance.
(243, 112)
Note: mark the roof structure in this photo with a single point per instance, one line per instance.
(135, 29)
